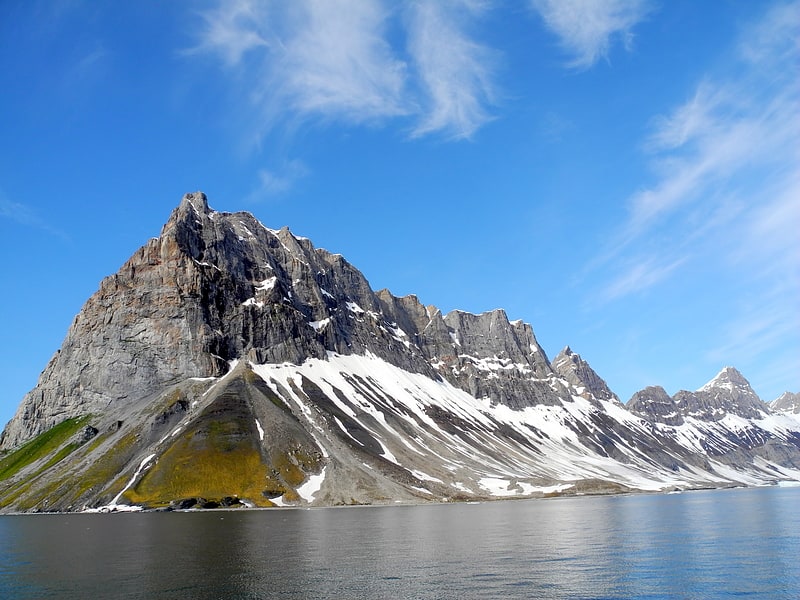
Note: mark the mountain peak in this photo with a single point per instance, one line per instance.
(787, 402)
(196, 200)
(728, 378)
(577, 372)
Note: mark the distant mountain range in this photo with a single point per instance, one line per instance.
(227, 364)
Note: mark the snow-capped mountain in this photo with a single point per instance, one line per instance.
(228, 363)
(725, 420)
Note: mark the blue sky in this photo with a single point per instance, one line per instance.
(623, 175)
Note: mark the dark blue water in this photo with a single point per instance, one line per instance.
(695, 545)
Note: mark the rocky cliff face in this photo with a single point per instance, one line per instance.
(230, 363)
(654, 404)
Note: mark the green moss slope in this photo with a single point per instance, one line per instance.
(42, 446)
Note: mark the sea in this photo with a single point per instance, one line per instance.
(703, 544)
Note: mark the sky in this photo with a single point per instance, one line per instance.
(622, 174)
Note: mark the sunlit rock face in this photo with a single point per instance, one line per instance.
(231, 364)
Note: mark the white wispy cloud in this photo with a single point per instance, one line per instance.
(343, 61)
(724, 199)
(639, 276)
(308, 59)
(232, 29)
(455, 72)
(334, 62)
(726, 161)
(757, 330)
(587, 28)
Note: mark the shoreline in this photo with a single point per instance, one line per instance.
(132, 509)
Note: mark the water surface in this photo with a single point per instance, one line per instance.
(712, 544)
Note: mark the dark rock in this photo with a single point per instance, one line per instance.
(214, 287)
(184, 504)
(654, 404)
(88, 433)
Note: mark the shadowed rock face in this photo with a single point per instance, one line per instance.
(230, 364)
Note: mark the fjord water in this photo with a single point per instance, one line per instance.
(711, 544)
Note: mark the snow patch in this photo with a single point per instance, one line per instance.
(789, 484)
(320, 325)
(253, 302)
(267, 284)
(557, 452)
(354, 308)
(424, 476)
(311, 487)
(497, 487)
(115, 506)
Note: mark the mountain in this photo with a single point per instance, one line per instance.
(226, 363)
(725, 419)
(786, 402)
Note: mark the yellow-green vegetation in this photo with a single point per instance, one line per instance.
(107, 467)
(62, 490)
(41, 446)
(293, 465)
(60, 455)
(217, 458)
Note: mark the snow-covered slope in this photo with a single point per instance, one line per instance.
(456, 444)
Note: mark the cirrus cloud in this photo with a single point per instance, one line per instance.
(343, 60)
(587, 28)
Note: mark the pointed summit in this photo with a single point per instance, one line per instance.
(728, 378)
(578, 372)
(654, 404)
(226, 360)
(728, 392)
